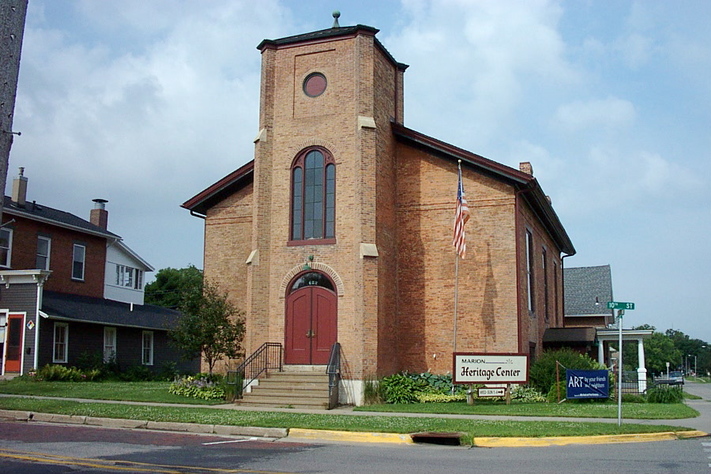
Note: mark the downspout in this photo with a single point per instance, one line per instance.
(562, 280)
(37, 324)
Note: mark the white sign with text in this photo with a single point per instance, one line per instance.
(479, 368)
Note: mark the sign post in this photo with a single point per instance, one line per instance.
(620, 307)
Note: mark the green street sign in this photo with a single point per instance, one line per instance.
(619, 305)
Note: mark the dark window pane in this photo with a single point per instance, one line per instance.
(297, 201)
(312, 279)
(313, 198)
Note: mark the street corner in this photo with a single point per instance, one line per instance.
(350, 436)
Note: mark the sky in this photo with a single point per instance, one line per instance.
(145, 103)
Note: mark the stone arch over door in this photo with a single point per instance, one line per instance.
(311, 318)
(316, 266)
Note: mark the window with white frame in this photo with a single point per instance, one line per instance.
(138, 281)
(5, 247)
(147, 348)
(129, 277)
(61, 342)
(109, 344)
(44, 247)
(79, 257)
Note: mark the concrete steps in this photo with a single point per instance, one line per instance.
(303, 389)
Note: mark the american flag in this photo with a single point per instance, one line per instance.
(460, 218)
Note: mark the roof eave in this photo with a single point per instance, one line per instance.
(322, 36)
(445, 149)
(29, 215)
(200, 202)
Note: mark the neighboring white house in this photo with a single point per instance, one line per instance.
(124, 279)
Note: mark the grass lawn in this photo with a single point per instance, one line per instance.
(383, 424)
(124, 391)
(648, 411)
(158, 392)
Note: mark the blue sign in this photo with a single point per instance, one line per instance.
(587, 384)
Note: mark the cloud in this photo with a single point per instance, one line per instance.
(625, 181)
(477, 60)
(610, 113)
(147, 126)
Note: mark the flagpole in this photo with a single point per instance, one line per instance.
(459, 241)
(456, 300)
(456, 260)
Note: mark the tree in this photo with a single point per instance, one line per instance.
(209, 326)
(658, 350)
(171, 284)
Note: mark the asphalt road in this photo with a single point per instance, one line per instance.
(46, 448)
(55, 448)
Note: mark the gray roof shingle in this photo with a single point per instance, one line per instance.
(44, 213)
(587, 291)
(86, 309)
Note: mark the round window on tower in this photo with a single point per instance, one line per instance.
(314, 84)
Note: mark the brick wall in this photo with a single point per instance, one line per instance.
(396, 310)
(487, 312)
(228, 240)
(533, 324)
(24, 255)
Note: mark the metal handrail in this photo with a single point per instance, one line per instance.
(333, 369)
(268, 356)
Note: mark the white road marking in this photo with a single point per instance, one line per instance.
(230, 441)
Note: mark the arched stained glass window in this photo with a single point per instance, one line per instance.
(312, 279)
(313, 196)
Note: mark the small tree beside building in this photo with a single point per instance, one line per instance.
(210, 325)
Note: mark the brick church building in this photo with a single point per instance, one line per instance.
(340, 228)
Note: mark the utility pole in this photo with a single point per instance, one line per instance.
(12, 29)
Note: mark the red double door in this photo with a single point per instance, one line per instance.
(311, 325)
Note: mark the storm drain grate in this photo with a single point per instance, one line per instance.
(431, 437)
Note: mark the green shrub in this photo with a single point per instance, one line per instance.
(556, 391)
(197, 387)
(665, 394)
(60, 373)
(633, 398)
(168, 371)
(436, 383)
(432, 397)
(527, 394)
(136, 373)
(543, 372)
(400, 388)
(93, 360)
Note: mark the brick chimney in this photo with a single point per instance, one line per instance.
(19, 189)
(526, 167)
(99, 215)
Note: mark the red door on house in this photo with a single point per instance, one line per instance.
(13, 352)
(311, 320)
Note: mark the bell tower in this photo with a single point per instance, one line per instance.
(334, 92)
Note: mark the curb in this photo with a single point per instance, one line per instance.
(224, 430)
(602, 439)
(342, 436)
(350, 436)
